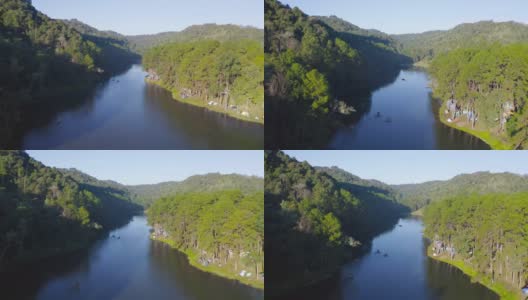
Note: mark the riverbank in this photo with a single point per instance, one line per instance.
(201, 103)
(494, 142)
(500, 289)
(192, 257)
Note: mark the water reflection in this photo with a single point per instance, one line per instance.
(403, 116)
(131, 267)
(127, 113)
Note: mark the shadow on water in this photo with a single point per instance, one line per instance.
(402, 116)
(405, 273)
(125, 264)
(125, 112)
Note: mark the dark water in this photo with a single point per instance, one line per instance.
(407, 119)
(127, 113)
(133, 267)
(406, 273)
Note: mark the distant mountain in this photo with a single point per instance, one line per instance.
(419, 195)
(212, 182)
(429, 44)
(221, 33)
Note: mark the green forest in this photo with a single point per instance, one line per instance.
(223, 76)
(320, 71)
(313, 68)
(487, 232)
(44, 212)
(221, 232)
(317, 218)
(489, 86)
(43, 60)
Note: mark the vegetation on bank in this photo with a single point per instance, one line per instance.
(45, 212)
(504, 292)
(221, 232)
(43, 60)
(224, 76)
(483, 234)
(315, 67)
(316, 219)
(485, 90)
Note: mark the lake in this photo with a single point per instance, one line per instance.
(127, 113)
(403, 115)
(405, 273)
(132, 267)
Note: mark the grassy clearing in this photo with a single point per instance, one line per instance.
(494, 142)
(500, 289)
(225, 272)
(202, 103)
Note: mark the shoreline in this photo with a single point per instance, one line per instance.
(486, 137)
(498, 288)
(218, 271)
(200, 103)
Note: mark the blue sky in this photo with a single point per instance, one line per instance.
(145, 167)
(413, 16)
(397, 167)
(152, 16)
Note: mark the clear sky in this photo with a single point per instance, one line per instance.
(413, 16)
(397, 167)
(146, 167)
(132, 17)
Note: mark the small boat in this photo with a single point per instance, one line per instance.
(385, 255)
(377, 251)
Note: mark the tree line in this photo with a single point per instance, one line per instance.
(227, 74)
(315, 68)
(45, 212)
(489, 89)
(316, 219)
(487, 232)
(222, 228)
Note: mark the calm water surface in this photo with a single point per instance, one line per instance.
(406, 273)
(403, 116)
(128, 113)
(132, 267)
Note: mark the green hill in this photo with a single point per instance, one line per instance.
(221, 33)
(425, 46)
(45, 212)
(416, 196)
(317, 218)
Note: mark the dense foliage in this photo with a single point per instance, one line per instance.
(229, 74)
(42, 60)
(316, 218)
(45, 212)
(223, 228)
(313, 73)
(427, 45)
(488, 232)
(490, 87)
(221, 33)
(416, 196)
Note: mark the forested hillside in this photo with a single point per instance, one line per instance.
(427, 45)
(487, 233)
(312, 70)
(221, 33)
(416, 196)
(46, 212)
(316, 219)
(43, 60)
(223, 76)
(486, 89)
(221, 232)
(146, 194)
